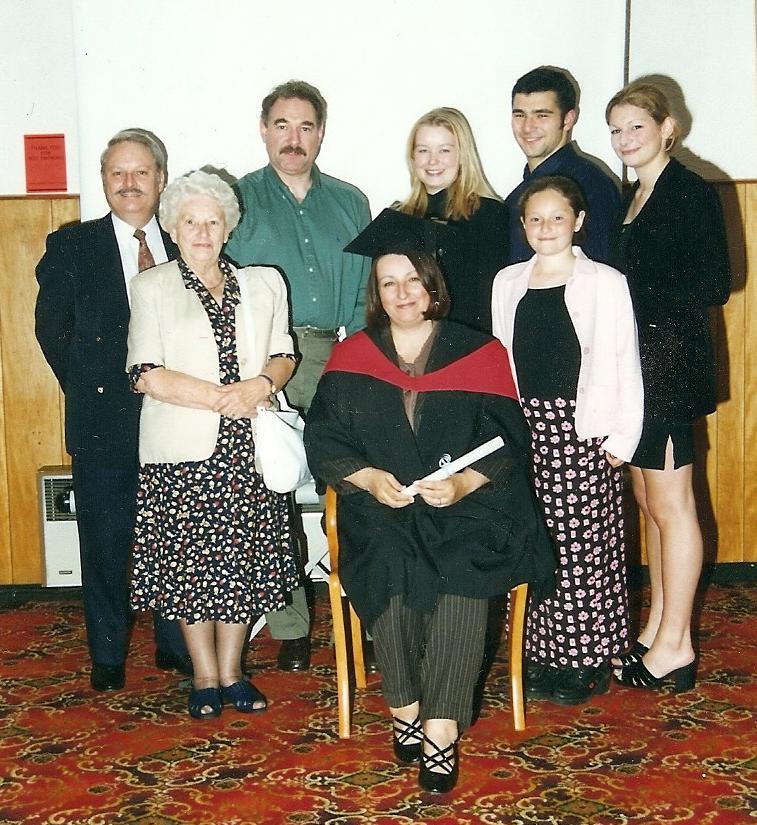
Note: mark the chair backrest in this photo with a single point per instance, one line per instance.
(332, 534)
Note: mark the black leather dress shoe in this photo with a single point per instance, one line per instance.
(369, 657)
(107, 677)
(540, 680)
(165, 660)
(576, 685)
(294, 654)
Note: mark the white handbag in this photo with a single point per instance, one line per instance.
(279, 449)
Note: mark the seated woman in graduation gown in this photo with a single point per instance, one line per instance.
(396, 402)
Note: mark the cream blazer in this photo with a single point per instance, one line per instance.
(169, 327)
(610, 398)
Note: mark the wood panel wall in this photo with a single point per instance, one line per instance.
(31, 406)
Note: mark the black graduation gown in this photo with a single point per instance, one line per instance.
(470, 253)
(482, 546)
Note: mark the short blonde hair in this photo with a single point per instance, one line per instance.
(198, 183)
(652, 100)
(470, 185)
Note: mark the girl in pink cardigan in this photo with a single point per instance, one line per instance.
(568, 325)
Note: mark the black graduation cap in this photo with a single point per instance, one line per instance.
(395, 233)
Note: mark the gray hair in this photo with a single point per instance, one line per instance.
(301, 90)
(197, 183)
(146, 138)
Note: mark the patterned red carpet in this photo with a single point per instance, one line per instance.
(68, 755)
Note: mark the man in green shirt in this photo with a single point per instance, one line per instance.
(300, 220)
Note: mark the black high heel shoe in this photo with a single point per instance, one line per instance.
(407, 740)
(637, 675)
(635, 653)
(445, 758)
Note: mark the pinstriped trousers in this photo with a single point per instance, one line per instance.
(433, 658)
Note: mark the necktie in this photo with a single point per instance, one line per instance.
(145, 259)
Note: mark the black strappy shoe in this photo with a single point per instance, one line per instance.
(407, 740)
(444, 780)
(633, 654)
(243, 695)
(637, 675)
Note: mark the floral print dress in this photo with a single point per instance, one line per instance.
(212, 542)
(586, 621)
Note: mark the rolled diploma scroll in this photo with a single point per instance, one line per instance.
(458, 464)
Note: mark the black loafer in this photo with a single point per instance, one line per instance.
(165, 660)
(576, 685)
(294, 654)
(540, 680)
(107, 677)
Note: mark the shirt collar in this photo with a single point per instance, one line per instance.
(551, 164)
(125, 232)
(272, 176)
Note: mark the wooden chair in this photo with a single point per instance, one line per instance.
(343, 646)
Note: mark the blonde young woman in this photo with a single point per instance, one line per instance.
(672, 247)
(448, 186)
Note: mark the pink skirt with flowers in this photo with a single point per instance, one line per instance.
(581, 494)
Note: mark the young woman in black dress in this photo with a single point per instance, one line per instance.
(449, 187)
(672, 247)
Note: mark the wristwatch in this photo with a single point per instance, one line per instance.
(268, 378)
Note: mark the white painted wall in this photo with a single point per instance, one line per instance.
(37, 88)
(708, 48)
(195, 74)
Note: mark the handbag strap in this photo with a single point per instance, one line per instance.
(246, 302)
(249, 329)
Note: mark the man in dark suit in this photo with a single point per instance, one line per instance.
(82, 320)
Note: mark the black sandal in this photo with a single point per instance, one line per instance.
(202, 698)
(638, 675)
(243, 695)
(445, 758)
(634, 653)
(407, 740)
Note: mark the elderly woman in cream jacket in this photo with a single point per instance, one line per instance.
(213, 546)
(568, 325)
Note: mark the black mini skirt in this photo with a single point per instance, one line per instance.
(650, 454)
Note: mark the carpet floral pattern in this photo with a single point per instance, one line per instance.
(69, 756)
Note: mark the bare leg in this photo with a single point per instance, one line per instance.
(200, 641)
(408, 713)
(229, 642)
(670, 502)
(442, 732)
(654, 559)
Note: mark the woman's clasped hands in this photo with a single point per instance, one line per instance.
(242, 398)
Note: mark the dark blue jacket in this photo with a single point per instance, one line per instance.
(602, 199)
(82, 322)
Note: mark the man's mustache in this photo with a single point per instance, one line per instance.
(129, 190)
(292, 150)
